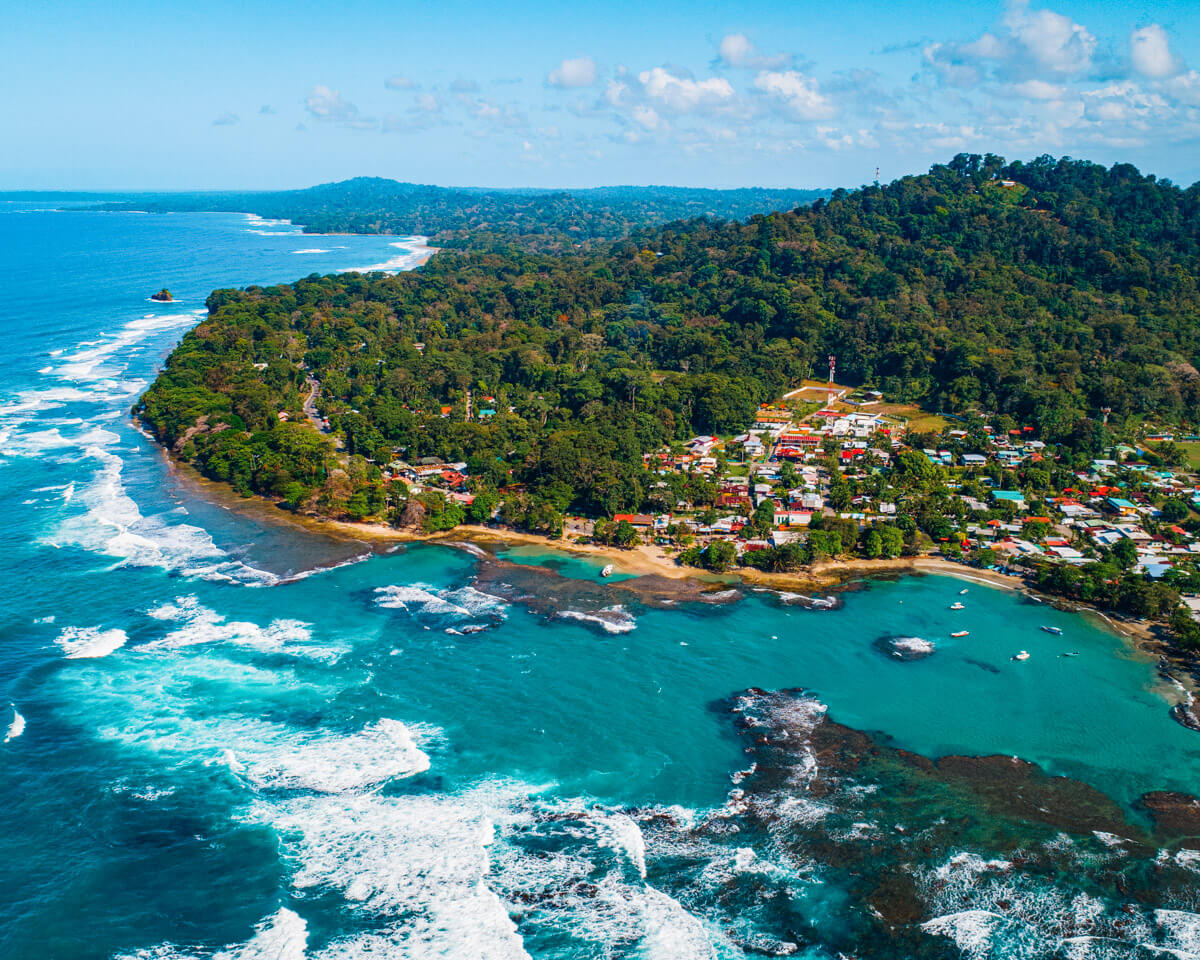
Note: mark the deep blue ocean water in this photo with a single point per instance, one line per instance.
(226, 737)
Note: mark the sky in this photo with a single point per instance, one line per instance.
(269, 95)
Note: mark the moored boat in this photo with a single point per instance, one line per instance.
(607, 571)
(961, 633)
(1057, 631)
(1023, 655)
(957, 606)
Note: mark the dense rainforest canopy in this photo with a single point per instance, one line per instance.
(558, 218)
(1053, 291)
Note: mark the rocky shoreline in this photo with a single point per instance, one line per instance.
(919, 839)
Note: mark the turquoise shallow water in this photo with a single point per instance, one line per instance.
(388, 757)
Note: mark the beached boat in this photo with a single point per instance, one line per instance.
(1023, 655)
(957, 606)
(607, 571)
(961, 633)
(1057, 631)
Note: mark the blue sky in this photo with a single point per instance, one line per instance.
(265, 95)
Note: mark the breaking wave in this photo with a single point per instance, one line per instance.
(16, 727)
(81, 643)
(614, 619)
(202, 625)
(466, 608)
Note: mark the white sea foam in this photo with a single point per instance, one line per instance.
(415, 250)
(282, 936)
(425, 601)
(113, 525)
(325, 763)
(614, 619)
(1181, 931)
(422, 859)
(971, 930)
(16, 727)
(912, 646)
(616, 912)
(202, 625)
(619, 832)
(313, 250)
(79, 643)
(143, 711)
(88, 361)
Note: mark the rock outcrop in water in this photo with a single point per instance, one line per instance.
(1187, 714)
(939, 854)
(163, 296)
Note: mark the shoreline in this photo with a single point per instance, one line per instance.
(650, 560)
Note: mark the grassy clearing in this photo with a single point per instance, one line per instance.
(1191, 454)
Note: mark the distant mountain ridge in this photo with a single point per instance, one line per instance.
(378, 205)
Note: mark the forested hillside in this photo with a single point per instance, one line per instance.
(1050, 291)
(375, 205)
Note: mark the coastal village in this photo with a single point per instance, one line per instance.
(827, 457)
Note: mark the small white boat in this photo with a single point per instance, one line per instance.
(961, 633)
(962, 591)
(1057, 631)
(607, 571)
(1023, 655)
(958, 606)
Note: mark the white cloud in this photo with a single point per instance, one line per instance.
(1027, 45)
(428, 103)
(1039, 90)
(1186, 88)
(952, 66)
(576, 72)
(646, 117)
(738, 50)
(1051, 39)
(1150, 52)
(1123, 103)
(796, 94)
(226, 120)
(680, 93)
(326, 104)
(484, 110)
(615, 93)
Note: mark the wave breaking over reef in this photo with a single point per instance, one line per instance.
(987, 855)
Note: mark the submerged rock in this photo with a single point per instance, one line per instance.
(917, 841)
(905, 648)
(1175, 814)
(1187, 714)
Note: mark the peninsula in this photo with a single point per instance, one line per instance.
(1014, 385)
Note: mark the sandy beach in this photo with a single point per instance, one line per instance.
(654, 561)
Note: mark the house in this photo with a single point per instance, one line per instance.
(1124, 508)
(634, 519)
(1015, 497)
(792, 518)
(973, 460)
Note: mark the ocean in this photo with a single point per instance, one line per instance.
(227, 737)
